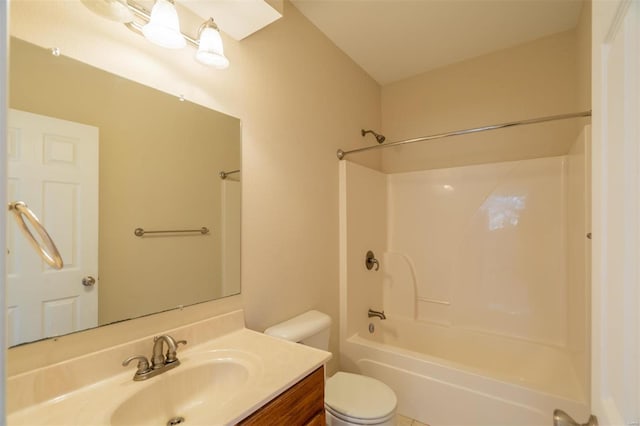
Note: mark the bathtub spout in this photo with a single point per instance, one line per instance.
(379, 314)
(560, 418)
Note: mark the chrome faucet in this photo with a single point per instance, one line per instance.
(159, 362)
(379, 314)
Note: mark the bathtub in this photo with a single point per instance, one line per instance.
(452, 376)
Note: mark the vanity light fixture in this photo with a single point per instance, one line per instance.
(210, 50)
(161, 26)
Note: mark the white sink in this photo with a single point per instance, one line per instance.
(191, 392)
(219, 382)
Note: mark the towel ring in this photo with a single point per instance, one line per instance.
(47, 249)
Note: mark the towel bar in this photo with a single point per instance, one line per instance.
(139, 232)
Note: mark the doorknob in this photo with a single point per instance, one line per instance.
(88, 281)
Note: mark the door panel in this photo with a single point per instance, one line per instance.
(53, 168)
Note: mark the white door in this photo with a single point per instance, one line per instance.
(615, 395)
(53, 168)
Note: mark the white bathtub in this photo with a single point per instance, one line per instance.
(458, 377)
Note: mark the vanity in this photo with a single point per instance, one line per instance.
(301, 404)
(227, 375)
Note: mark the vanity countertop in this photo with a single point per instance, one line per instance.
(273, 366)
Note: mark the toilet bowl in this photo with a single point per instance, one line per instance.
(354, 399)
(350, 399)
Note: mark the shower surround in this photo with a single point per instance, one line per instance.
(484, 273)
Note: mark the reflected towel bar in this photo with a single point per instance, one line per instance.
(139, 232)
(223, 174)
(341, 154)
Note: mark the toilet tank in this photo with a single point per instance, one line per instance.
(311, 328)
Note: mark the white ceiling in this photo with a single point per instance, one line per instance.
(395, 39)
(238, 19)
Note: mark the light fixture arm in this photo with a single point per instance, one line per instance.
(209, 23)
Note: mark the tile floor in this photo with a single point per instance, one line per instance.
(406, 421)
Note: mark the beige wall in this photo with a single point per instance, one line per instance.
(583, 39)
(531, 80)
(299, 99)
(304, 100)
(363, 216)
(156, 155)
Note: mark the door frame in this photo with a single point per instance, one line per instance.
(615, 321)
(4, 73)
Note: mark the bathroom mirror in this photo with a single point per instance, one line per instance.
(98, 157)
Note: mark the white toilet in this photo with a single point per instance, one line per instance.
(350, 399)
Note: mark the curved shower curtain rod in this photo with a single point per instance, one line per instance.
(341, 154)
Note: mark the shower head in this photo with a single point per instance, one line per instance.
(380, 138)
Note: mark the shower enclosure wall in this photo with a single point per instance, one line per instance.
(484, 279)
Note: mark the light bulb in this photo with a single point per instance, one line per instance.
(163, 28)
(210, 49)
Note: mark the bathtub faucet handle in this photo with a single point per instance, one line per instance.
(371, 260)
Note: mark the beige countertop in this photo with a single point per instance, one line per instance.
(273, 365)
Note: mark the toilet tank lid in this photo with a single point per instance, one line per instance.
(300, 327)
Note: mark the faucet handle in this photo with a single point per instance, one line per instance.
(171, 356)
(370, 260)
(143, 363)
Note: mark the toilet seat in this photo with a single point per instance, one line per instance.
(359, 399)
(358, 421)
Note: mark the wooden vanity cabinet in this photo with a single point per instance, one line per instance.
(300, 405)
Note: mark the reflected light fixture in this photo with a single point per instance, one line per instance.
(161, 26)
